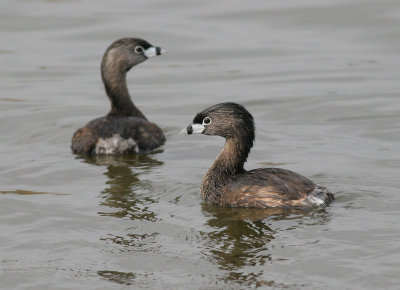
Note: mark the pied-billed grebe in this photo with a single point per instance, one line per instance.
(227, 183)
(125, 129)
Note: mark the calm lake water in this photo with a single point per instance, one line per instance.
(322, 81)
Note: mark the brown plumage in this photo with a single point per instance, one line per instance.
(125, 129)
(227, 183)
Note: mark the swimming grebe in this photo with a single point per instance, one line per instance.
(227, 183)
(125, 129)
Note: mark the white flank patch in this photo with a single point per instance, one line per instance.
(115, 145)
(315, 200)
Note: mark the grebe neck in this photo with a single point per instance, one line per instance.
(228, 163)
(114, 79)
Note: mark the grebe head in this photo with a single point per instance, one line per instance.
(128, 52)
(228, 120)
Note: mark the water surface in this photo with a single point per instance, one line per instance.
(321, 80)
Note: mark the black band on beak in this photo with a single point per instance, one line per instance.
(158, 50)
(189, 129)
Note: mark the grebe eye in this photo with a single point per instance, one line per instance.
(206, 121)
(139, 49)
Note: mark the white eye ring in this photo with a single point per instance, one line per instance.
(207, 121)
(139, 49)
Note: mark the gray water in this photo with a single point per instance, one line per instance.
(322, 81)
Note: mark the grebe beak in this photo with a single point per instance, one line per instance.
(192, 129)
(154, 50)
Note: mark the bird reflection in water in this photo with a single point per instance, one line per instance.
(240, 238)
(126, 194)
(118, 277)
